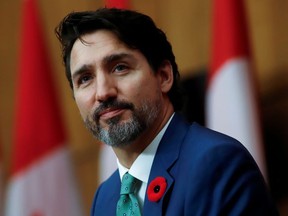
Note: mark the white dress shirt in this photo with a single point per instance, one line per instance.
(141, 167)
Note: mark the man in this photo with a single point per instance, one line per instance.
(124, 78)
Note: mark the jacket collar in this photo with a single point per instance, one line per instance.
(166, 156)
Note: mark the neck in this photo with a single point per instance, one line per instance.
(128, 154)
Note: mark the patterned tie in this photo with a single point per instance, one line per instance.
(128, 204)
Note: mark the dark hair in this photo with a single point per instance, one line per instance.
(134, 29)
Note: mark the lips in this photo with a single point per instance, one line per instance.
(110, 113)
(111, 108)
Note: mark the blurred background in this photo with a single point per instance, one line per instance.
(187, 24)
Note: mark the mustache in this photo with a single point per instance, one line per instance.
(111, 104)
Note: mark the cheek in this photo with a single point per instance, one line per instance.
(140, 89)
(83, 103)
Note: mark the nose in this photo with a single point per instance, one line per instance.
(105, 87)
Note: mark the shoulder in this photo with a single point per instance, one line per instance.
(218, 152)
(204, 139)
(197, 133)
(106, 195)
(195, 143)
(209, 135)
(222, 166)
(216, 158)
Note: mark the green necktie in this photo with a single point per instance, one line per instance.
(128, 204)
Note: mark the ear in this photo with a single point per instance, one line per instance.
(165, 76)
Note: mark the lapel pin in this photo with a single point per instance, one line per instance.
(156, 189)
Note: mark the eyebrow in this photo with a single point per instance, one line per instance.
(116, 57)
(81, 70)
(106, 61)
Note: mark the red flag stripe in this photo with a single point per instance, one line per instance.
(38, 123)
(41, 163)
(230, 38)
(117, 3)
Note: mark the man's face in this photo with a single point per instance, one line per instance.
(115, 89)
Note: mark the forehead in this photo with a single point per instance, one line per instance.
(100, 39)
(99, 48)
(95, 46)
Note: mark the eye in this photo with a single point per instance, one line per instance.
(84, 79)
(120, 68)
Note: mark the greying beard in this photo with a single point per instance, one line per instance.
(120, 134)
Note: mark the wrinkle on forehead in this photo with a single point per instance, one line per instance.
(96, 40)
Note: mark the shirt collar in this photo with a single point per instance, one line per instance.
(141, 167)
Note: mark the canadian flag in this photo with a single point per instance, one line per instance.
(108, 161)
(41, 181)
(231, 105)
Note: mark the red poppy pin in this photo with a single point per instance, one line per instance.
(156, 189)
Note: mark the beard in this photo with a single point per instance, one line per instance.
(119, 134)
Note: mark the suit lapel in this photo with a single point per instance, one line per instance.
(166, 156)
(109, 193)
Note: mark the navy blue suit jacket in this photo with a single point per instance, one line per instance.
(207, 174)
